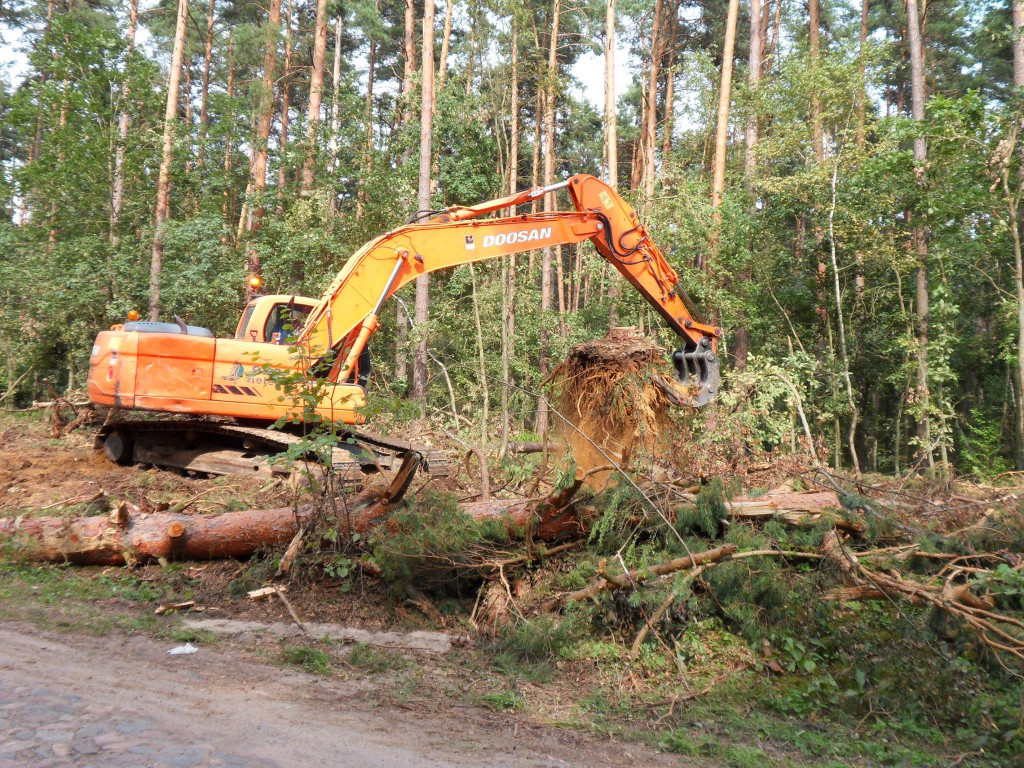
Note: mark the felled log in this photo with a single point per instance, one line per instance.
(129, 536)
(791, 507)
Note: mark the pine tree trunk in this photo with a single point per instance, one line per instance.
(611, 139)
(508, 266)
(419, 365)
(266, 116)
(549, 205)
(316, 86)
(753, 78)
(335, 116)
(920, 233)
(226, 206)
(117, 197)
(367, 168)
(163, 188)
(670, 87)
(651, 103)
(442, 67)
(409, 58)
(286, 101)
(862, 94)
(205, 97)
(722, 130)
(814, 44)
(1018, 81)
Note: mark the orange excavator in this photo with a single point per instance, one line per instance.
(226, 391)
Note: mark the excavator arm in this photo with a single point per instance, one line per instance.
(340, 324)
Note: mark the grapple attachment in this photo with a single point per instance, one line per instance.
(697, 368)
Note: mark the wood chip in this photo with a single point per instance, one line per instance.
(259, 594)
(185, 606)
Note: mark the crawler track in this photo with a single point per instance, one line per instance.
(200, 446)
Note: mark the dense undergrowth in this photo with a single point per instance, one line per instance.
(750, 651)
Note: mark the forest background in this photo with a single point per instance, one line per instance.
(838, 184)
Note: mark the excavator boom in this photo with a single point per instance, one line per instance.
(346, 316)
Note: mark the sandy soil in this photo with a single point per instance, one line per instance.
(123, 701)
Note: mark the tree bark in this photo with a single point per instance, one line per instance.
(419, 365)
(367, 168)
(722, 130)
(1014, 201)
(163, 188)
(316, 86)
(862, 95)
(117, 198)
(920, 232)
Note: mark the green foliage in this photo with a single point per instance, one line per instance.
(375, 661)
(527, 647)
(431, 543)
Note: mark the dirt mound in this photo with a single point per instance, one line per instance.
(608, 391)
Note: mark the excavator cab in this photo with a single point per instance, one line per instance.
(274, 319)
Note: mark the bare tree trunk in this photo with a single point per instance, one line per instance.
(409, 58)
(163, 188)
(482, 358)
(753, 78)
(722, 131)
(920, 233)
(226, 207)
(442, 67)
(367, 168)
(419, 365)
(651, 104)
(776, 24)
(549, 205)
(117, 198)
(186, 67)
(670, 87)
(316, 86)
(335, 119)
(862, 95)
(611, 139)
(815, 49)
(508, 266)
(266, 116)
(286, 101)
(1018, 81)
(204, 99)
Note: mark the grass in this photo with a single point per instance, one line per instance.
(502, 701)
(375, 661)
(312, 660)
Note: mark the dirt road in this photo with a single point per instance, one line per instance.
(117, 701)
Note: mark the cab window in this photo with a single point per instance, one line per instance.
(244, 323)
(284, 322)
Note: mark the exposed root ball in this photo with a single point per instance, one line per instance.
(605, 389)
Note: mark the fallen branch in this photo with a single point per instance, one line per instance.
(609, 582)
(956, 600)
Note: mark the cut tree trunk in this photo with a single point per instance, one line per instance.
(129, 536)
(163, 188)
